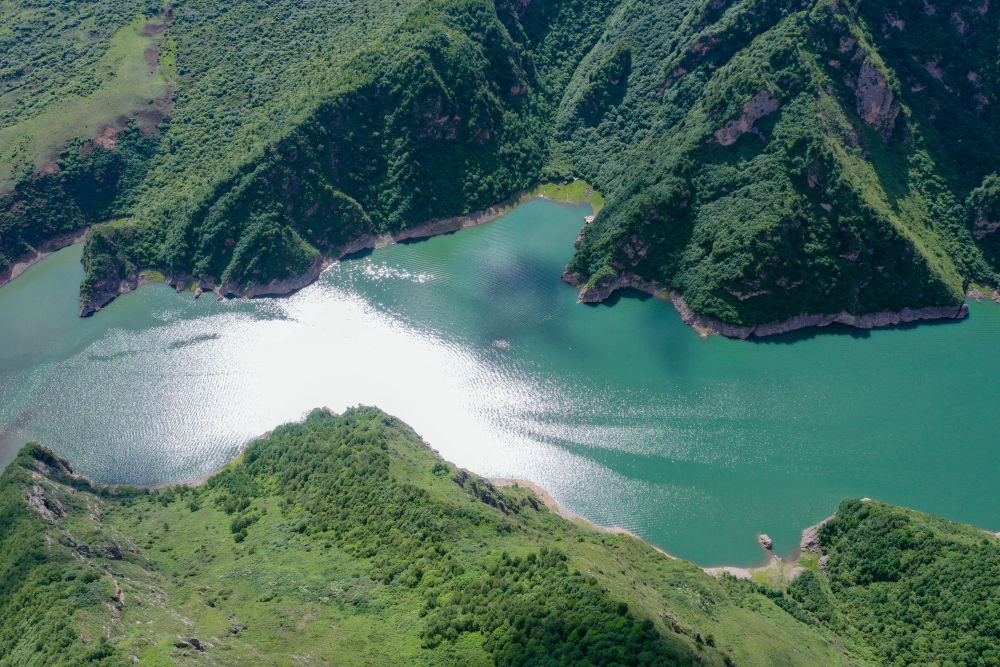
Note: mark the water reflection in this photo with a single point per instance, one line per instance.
(621, 411)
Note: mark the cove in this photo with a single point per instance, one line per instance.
(623, 413)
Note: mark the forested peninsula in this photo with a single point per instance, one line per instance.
(345, 540)
(774, 164)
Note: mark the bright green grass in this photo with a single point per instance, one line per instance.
(128, 84)
(345, 540)
(153, 276)
(576, 191)
(360, 540)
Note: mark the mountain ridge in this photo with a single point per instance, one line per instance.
(345, 538)
(764, 160)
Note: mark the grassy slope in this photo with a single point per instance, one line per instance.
(242, 76)
(358, 119)
(920, 589)
(125, 83)
(344, 540)
(436, 109)
(69, 71)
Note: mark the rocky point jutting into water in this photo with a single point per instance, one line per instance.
(775, 164)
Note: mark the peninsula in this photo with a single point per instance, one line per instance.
(774, 164)
(346, 539)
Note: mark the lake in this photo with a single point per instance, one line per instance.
(622, 412)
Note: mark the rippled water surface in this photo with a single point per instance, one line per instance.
(621, 411)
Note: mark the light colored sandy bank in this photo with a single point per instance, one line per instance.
(707, 326)
(556, 508)
(44, 250)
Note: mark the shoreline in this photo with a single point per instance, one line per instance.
(550, 503)
(777, 568)
(707, 326)
(286, 286)
(553, 506)
(46, 248)
(787, 569)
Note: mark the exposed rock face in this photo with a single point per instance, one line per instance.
(274, 287)
(107, 291)
(823, 560)
(44, 250)
(984, 227)
(762, 104)
(765, 541)
(49, 509)
(979, 295)
(810, 537)
(708, 325)
(865, 321)
(602, 291)
(876, 103)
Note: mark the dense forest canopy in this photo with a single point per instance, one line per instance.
(762, 158)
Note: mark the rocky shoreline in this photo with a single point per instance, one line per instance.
(784, 569)
(106, 293)
(44, 250)
(707, 326)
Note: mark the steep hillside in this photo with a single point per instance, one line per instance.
(82, 91)
(761, 159)
(778, 158)
(920, 589)
(358, 119)
(344, 540)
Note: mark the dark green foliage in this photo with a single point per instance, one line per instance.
(337, 474)
(352, 519)
(984, 215)
(38, 593)
(808, 591)
(386, 153)
(919, 588)
(763, 158)
(606, 84)
(792, 157)
(531, 610)
(336, 481)
(42, 58)
(439, 111)
(788, 603)
(88, 185)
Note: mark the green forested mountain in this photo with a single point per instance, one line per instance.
(345, 540)
(764, 159)
(788, 157)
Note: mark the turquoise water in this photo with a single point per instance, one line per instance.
(622, 412)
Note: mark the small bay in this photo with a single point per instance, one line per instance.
(623, 413)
